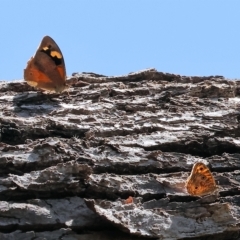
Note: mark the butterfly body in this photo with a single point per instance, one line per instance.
(46, 69)
(201, 181)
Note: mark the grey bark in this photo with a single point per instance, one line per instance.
(69, 161)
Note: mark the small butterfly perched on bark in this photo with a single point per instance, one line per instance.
(46, 69)
(128, 200)
(201, 181)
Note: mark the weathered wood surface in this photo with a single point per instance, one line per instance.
(67, 162)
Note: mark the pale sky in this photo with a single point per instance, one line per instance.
(115, 37)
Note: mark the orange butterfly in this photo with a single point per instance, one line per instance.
(128, 200)
(46, 69)
(201, 181)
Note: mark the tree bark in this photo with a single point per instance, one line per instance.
(68, 162)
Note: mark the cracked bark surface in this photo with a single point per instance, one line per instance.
(68, 162)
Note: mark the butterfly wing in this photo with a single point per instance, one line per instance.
(46, 70)
(201, 181)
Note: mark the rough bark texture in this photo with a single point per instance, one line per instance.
(68, 162)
